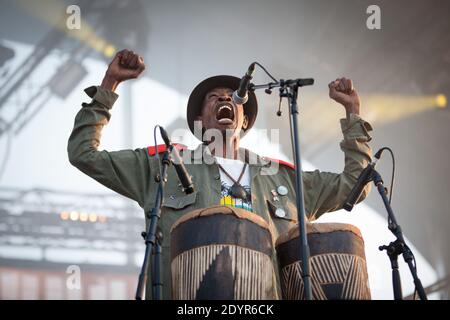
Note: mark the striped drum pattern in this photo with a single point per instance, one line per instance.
(222, 253)
(337, 263)
(344, 270)
(249, 273)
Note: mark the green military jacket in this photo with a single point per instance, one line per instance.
(133, 173)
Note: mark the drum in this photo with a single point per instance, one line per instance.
(222, 253)
(337, 263)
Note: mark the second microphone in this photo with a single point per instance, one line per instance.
(183, 175)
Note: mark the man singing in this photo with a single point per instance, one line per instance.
(222, 171)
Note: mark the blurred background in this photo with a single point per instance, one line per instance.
(52, 216)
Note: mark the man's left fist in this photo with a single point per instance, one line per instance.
(343, 92)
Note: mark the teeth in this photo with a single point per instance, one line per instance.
(226, 114)
(225, 107)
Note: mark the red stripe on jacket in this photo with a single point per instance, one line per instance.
(285, 163)
(162, 147)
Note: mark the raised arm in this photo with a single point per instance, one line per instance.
(326, 191)
(126, 172)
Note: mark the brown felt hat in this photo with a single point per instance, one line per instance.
(195, 102)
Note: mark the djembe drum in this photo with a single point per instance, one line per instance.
(222, 253)
(337, 260)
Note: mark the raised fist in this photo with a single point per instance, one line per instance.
(343, 92)
(125, 65)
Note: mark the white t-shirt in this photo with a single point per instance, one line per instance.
(234, 169)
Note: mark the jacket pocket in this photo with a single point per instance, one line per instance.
(178, 202)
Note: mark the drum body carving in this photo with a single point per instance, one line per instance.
(222, 253)
(338, 263)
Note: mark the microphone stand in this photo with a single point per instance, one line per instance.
(397, 247)
(289, 90)
(153, 239)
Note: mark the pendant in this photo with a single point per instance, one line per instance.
(237, 191)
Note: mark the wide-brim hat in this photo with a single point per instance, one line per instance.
(195, 102)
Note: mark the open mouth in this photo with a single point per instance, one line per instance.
(225, 113)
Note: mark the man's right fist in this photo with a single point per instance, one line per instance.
(125, 65)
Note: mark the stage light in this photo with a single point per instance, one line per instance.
(97, 43)
(377, 109)
(389, 108)
(84, 216)
(441, 101)
(74, 215)
(109, 51)
(64, 215)
(92, 217)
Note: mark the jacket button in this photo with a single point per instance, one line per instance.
(280, 213)
(217, 177)
(282, 190)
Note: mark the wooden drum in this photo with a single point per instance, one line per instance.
(222, 253)
(338, 264)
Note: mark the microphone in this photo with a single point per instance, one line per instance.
(299, 82)
(240, 96)
(183, 175)
(358, 188)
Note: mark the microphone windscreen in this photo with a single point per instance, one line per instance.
(164, 136)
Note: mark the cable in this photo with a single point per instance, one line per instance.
(267, 72)
(156, 151)
(378, 156)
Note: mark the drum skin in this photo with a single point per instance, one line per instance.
(222, 253)
(337, 263)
